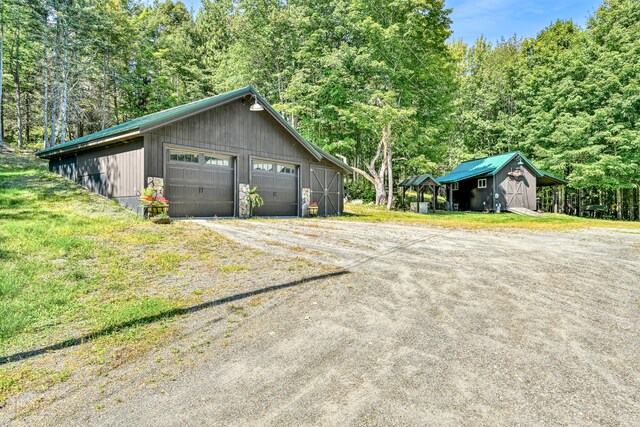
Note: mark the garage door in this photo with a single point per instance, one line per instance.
(277, 184)
(199, 184)
(326, 185)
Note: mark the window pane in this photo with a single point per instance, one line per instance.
(184, 157)
(286, 169)
(216, 161)
(263, 167)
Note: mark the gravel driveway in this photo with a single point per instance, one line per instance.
(429, 327)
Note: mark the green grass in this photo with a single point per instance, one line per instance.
(73, 264)
(370, 213)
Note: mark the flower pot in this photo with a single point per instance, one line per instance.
(163, 220)
(157, 210)
(313, 210)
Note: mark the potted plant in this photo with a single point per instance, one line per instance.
(162, 218)
(146, 196)
(155, 205)
(254, 200)
(159, 205)
(313, 209)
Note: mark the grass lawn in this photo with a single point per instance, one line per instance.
(74, 264)
(371, 213)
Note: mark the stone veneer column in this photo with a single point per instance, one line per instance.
(306, 200)
(243, 200)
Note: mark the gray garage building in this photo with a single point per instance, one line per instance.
(207, 154)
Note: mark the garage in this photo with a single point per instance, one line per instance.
(204, 157)
(277, 184)
(200, 184)
(326, 187)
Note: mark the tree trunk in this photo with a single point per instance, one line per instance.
(27, 117)
(45, 103)
(16, 81)
(390, 168)
(619, 203)
(1, 71)
(64, 97)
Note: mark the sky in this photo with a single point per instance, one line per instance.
(497, 18)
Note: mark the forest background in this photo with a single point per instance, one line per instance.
(378, 82)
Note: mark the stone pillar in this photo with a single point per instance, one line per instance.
(157, 184)
(243, 200)
(306, 201)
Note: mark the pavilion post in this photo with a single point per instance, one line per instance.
(404, 191)
(450, 197)
(555, 199)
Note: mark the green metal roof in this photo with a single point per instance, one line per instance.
(154, 119)
(547, 180)
(487, 166)
(151, 119)
(417, 180)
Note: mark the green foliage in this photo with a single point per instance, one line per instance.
(255, 200)
(569, 98)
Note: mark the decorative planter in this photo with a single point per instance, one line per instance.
(313, 210)
(163, 220)
(157, 210)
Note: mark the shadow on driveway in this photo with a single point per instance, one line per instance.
(164, 315)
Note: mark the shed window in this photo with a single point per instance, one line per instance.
(183, 157)
(286, 169)
(454, 186)
(263, 167)
(216, 161)
(482, 183)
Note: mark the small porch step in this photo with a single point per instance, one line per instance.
(524, 211)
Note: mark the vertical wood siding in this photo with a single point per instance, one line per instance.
(114, 171)
(528, 182)
(229, 129)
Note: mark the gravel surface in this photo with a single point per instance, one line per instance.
(429, 327)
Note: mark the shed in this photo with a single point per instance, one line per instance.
(502, 182)
(207, 155)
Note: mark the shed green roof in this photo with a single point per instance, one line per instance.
(487, 166)
(417, 180)
(144, 123)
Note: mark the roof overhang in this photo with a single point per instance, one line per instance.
(548, 180)
(48, 154)
(461, 176)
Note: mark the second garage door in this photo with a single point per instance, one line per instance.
(199, 184)
(277, 184)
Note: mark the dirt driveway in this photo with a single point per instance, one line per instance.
(429, 327)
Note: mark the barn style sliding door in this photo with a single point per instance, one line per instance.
(515, 193)
(199, 184)
(325, 190)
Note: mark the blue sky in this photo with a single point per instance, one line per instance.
(496, 18)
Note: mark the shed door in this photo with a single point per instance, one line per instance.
(199, 184)
(515, 192)
(277, 184)
(326, 187)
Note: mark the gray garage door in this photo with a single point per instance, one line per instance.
(199, 184)
(277, 184)
(326, 187)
